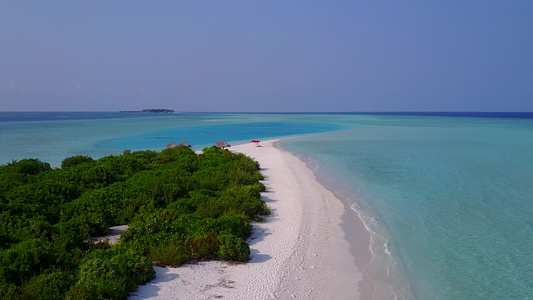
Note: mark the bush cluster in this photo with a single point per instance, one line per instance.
(180, 207)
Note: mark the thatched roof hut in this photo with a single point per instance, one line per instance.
(184, 143)
(222, 144)
(171, 145)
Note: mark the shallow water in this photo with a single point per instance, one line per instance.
(58, 135)
(449, 199)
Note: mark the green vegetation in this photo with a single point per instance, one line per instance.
(180, 207)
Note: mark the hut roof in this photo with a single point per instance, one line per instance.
(222, 144)
(171, 145)
(184, 143)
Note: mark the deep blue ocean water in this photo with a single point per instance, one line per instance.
(447, 196)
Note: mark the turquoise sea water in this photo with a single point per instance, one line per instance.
(449, 199)
(56, 135)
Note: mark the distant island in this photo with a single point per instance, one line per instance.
(152, 111)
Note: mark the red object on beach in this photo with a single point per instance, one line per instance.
(255, 141)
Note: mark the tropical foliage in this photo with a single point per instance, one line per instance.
(180, 207)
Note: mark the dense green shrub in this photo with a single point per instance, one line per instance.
(25, 260)
(233, 248)
(203, 246)
(11, 180)
(98, 288)
(35, 199)
(133, 267)
(180, 207)
(49, 286)
(181, 157)
(132, 205)
(75, 160)
(172, 253)
(106, 204)
(238, 226)
(111, 274)
(5, 241)
(9, 290)
(201, 195)
(70, 235)
(30, 166)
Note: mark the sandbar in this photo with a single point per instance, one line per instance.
(299, 252)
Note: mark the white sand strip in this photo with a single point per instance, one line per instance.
(114, 235)
(298, 252)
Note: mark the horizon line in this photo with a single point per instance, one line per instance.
(264, 112)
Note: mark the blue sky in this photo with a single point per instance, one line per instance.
(267, 55)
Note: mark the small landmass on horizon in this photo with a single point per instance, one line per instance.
(151, 110)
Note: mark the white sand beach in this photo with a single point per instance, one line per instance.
(298, 252)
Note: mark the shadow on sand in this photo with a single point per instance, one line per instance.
(151, 289)
(258, 257)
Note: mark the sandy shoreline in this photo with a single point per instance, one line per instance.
(299, 251)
